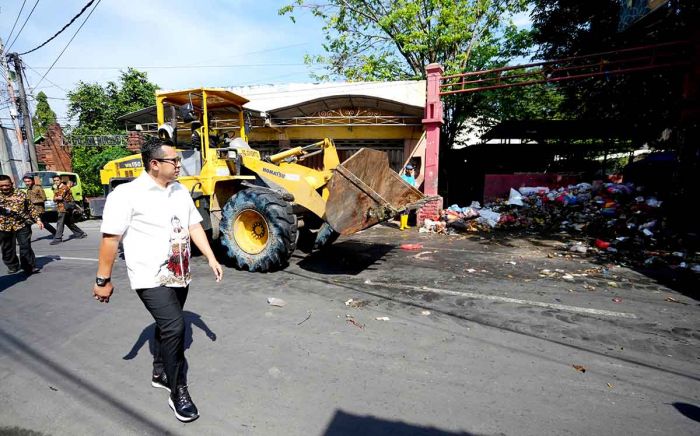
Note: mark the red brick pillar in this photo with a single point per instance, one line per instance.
(134, 141)
(430, 211)
(432, 122)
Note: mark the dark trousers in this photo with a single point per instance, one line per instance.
(9, 242)
(66, 219)
(47, 226)
(165, 305)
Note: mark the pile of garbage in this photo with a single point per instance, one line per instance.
(613, 217)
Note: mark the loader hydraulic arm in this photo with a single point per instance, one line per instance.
(326, 146)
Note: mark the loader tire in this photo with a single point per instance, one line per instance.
(258, 230)
(325, 237)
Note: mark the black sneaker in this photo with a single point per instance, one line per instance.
(12, 270)
(81, 236)
(160, 381)
(182, 405)
(55, 242)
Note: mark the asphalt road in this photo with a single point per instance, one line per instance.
(480, 336)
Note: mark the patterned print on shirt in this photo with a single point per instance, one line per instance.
(175, 271)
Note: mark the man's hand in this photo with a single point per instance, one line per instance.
(40, 224)
(218, 271)
(102, 293)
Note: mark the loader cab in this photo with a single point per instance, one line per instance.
(197, 122)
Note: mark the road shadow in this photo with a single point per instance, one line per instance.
(346, 258)
(18, 431)
(688, 410)
(348, 424)
(9, 280)
(148, 335)
(75, 385)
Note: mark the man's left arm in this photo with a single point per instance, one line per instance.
(199, 237)
(33, 213)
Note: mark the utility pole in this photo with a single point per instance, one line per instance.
(24, 104)
(13, 101)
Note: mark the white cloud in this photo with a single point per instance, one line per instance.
(123, 33)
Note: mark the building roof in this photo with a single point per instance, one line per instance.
(303, 99)
(268, 98)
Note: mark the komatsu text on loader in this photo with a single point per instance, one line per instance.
(262, 209)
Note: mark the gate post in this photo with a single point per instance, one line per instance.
(432, 122)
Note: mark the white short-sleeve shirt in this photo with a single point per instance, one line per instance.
(154, 224)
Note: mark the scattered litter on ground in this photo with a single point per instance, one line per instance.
(610, 385)
(425, 312)
(411, 246)
(673, 300)
(579, 368)
(617, 300)
(382, 318)
(355, 323)
(619, 223)
(423, 253)
(305, 319)
(272, 301)
(356, 303)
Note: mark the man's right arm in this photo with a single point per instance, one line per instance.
(108, 254)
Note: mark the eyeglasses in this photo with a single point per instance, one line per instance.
(173, 160)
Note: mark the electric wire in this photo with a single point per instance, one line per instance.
(160, 67)
(16, 19)
(71, 40)
(39, 74)
(24, 24)
(60, 31)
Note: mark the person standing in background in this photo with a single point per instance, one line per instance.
(63, 197)
(409, 177)
(16, 218)
(37, 197)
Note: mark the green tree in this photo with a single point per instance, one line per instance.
(95, 109)
(44, 116)
(396, 39)
(647, 101)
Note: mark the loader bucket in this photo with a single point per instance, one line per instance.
(364, 191)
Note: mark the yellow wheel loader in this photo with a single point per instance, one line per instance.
(262, 209)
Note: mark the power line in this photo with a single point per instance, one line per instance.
(16, 19)
(60, 31)
(154, 67)
(25, 23)
(71, 40)
(38, 74)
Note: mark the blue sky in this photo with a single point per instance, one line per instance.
(253, 43)
(248, 37)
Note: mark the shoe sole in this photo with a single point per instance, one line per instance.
(158, 385)
(179, 417)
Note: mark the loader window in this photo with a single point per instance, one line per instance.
(191, 162)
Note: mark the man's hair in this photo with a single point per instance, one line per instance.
(27, 178)
(5, 177)
(152, 149)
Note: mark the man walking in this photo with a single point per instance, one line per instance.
(16, 217)
(156, 219)
(63, 197)
(37, 197)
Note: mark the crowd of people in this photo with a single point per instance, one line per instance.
(19, 210)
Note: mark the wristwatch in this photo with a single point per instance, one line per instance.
(101, 281)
